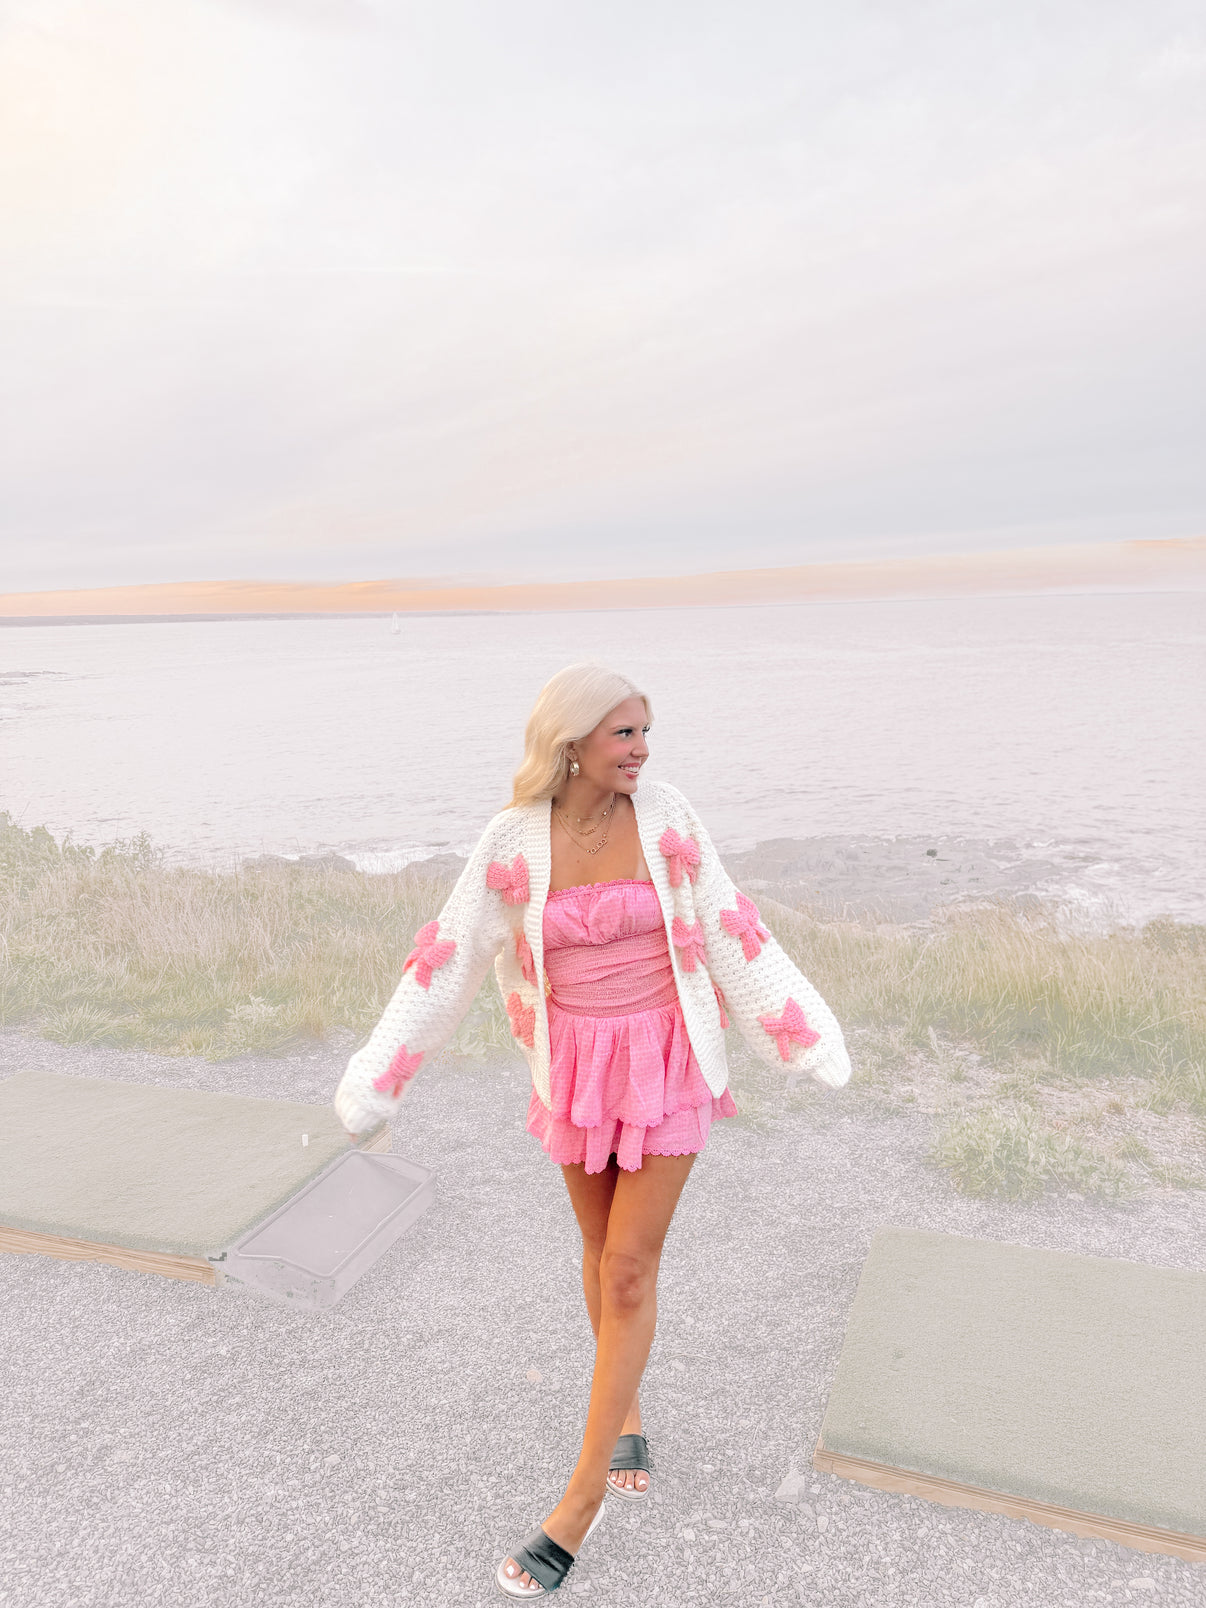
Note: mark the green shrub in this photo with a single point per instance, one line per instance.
(1013, 1153)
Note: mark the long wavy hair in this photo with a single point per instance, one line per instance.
(570, 704)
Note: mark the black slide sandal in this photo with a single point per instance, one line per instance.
(632, 1451)
(544, 1559)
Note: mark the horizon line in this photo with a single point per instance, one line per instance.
(585, 608)
(1145, 564)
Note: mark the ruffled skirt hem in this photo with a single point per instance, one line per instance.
(629, 1084)
(680, 1133)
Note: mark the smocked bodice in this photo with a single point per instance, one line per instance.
(605, 950)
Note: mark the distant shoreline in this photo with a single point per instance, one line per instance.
(582, 608)
(1158, 564)
(216, 619)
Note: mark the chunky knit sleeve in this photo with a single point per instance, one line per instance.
(440, 979)
(761, 991)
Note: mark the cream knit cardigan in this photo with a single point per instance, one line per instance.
(726, 964)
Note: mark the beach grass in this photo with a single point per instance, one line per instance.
(1001, 1010)
(115, 947)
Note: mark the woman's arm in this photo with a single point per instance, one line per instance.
(767, 998)
(440, 980)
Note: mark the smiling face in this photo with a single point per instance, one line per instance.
(611, 756)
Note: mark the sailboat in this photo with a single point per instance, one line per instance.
(394, 627)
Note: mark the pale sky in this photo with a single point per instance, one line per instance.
(340, 289)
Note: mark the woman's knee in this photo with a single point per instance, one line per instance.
(625, 1277)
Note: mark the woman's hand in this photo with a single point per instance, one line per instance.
(353, 1138)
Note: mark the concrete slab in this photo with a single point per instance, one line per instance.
(181, 1172)
(1066, 1389)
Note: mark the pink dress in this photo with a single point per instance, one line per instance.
(623, 1076)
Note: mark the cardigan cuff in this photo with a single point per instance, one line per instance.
(833, 1068)
(356, 1114)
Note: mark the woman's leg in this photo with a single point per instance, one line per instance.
(591, 1196)
(641, 1209)
(642, 1205)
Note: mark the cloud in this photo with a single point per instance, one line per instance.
(323, 13)
(298, 287)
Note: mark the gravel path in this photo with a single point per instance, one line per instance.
(163, 1443)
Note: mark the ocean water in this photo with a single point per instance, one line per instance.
(1069, 727)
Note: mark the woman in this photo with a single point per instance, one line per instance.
(622, 950)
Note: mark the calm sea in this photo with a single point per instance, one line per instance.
(1070, 724)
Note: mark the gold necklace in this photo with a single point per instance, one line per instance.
(575, 837)
(587, 830)
(600, 844)
(573, 831)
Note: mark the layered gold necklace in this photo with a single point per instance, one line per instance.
(576, 834)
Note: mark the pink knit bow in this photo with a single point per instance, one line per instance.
(429, 954)
(512, 883)
(399, 1072)
(690, 940)
(523, 1020)
(745, 923)
(791, 1025)
(527, 961)
(682, 853)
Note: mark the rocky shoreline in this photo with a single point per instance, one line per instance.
(904, 881)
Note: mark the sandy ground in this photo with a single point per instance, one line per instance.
(168, 1444)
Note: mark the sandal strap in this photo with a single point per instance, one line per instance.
(632, 1451)
(543, 1558)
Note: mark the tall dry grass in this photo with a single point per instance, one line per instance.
(1017, 990)
(117, 947)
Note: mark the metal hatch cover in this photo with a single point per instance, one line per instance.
(311, 1250)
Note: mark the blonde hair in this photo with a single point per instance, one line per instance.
(570, 704)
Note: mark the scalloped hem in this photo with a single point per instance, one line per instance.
(680, 1133)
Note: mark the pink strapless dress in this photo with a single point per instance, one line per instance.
(623, 1076)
